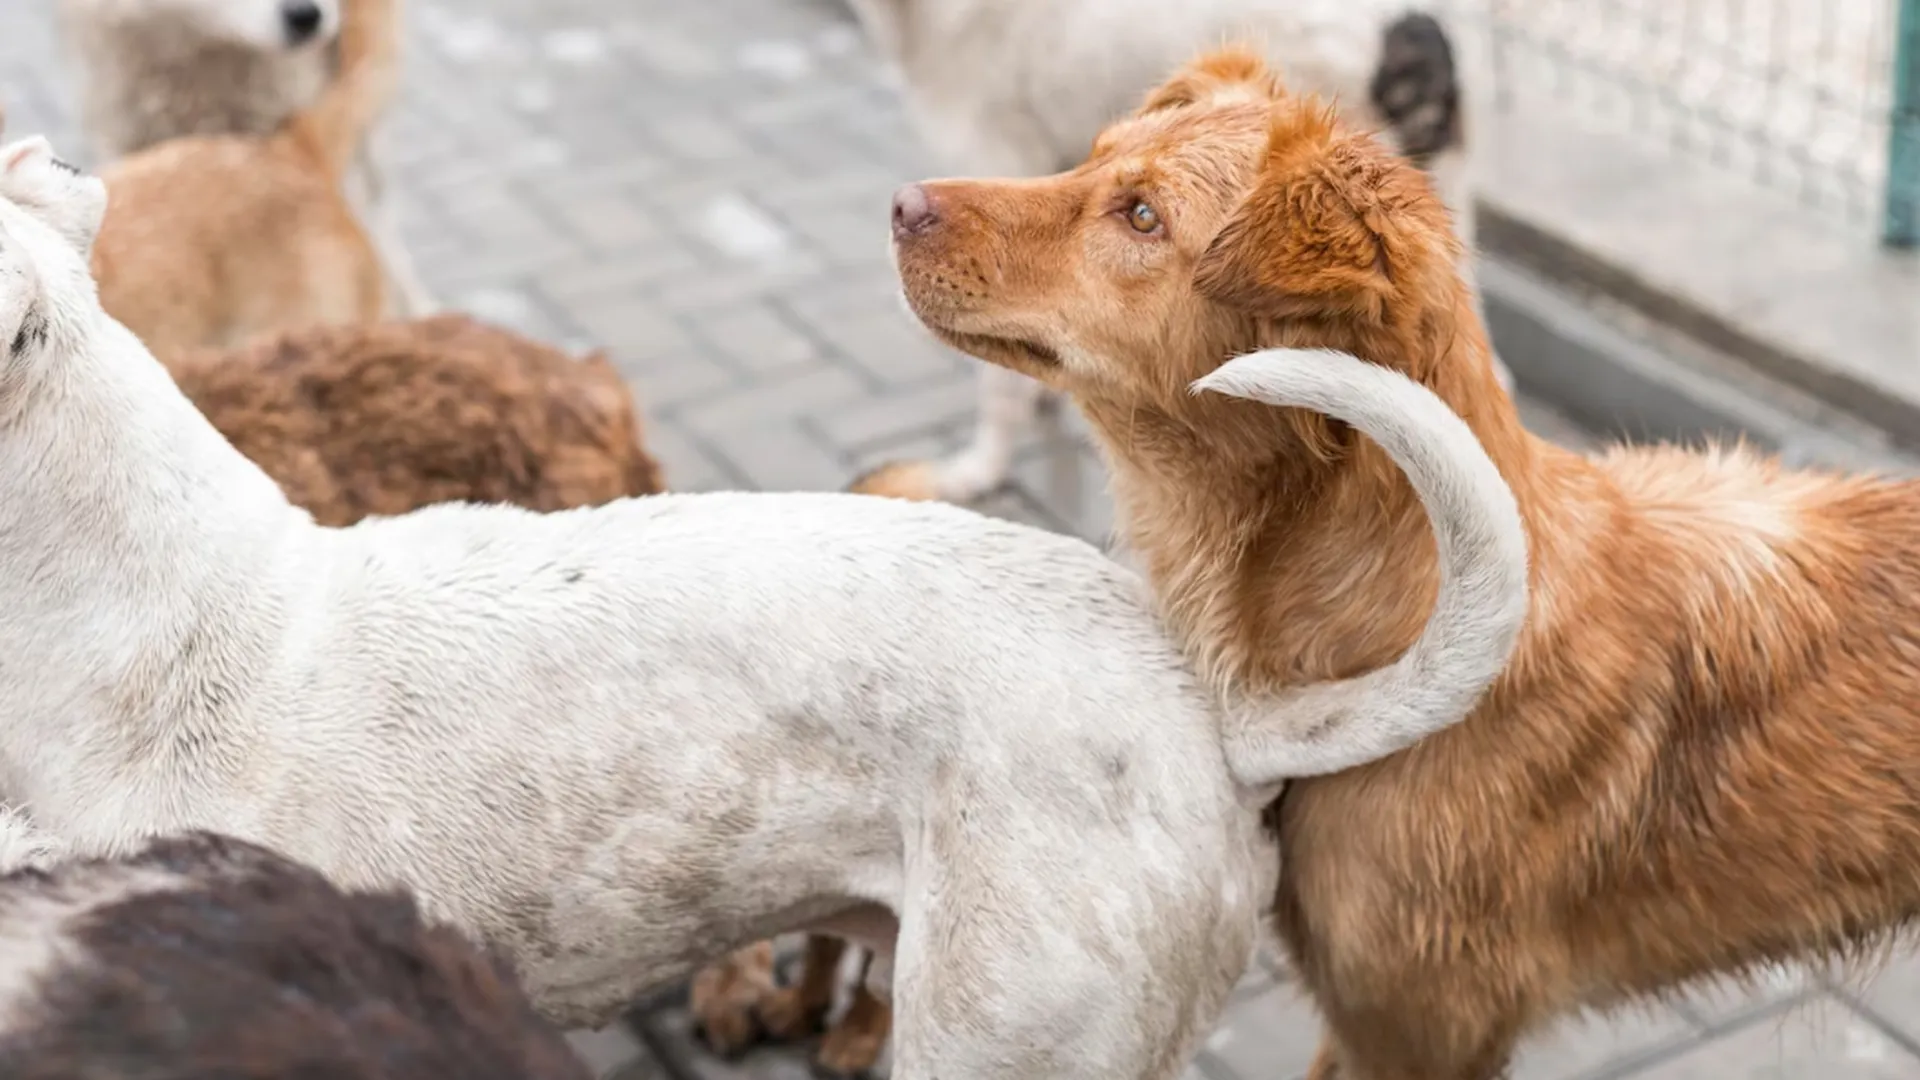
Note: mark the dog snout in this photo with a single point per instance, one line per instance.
(913, 212)
(302, 19)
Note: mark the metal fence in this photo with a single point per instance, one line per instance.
(1820, 98)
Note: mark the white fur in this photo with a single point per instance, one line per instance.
(1021, 87)
(22, 845)
(1482, 602)
(617, 742)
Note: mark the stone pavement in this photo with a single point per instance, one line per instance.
(701, 189)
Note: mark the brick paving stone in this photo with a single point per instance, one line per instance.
(1824, 1040)
(702, 189)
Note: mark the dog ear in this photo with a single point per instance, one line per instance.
(1233, 71)
(1308, 241)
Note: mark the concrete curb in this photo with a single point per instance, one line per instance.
(1622, 382)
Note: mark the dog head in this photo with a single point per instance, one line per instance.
(50, 213)
(1225, 215)
(267, 25)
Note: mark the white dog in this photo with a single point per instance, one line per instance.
(1021, 87)
(617, 742)
(153, 70)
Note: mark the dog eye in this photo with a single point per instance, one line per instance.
(1143, 218)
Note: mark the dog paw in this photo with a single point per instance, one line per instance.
(846, 1054)
(724, 1000)
(789, 1015)
(853, 1046)
(67, 200)
(915, 481)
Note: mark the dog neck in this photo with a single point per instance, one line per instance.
(148, 570)
(1284, 549)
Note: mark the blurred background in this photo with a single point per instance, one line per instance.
(1697, 220)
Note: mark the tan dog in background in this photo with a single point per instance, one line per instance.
(1705, 757)
(154, 70)
(210, 240)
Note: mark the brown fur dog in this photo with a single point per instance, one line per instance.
(1705, 755)
(384, 419)
(210, 240)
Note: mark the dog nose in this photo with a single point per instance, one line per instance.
(913, 211)
(303, 20)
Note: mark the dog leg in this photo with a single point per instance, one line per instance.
(723, 997)
(853, 1046)
(791, 1013)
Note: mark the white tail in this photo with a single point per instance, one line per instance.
(1476, 620)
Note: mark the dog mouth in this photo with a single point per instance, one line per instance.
(1015, 352)
(1032, 353)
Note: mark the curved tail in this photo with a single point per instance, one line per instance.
(363, 84)
(1476, 620)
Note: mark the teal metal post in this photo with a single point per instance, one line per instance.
(1902, 226)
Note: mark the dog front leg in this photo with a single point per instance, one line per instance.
(853, 1046)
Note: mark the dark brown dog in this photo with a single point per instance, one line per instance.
(1705, 755)
(206, 956)
(390, 417)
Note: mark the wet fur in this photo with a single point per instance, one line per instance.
(1704, 757)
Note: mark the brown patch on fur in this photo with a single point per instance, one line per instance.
(210, 240)
(384, 419)
(247, 965)
(1705, 755)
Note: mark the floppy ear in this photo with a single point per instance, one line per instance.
(1233, 71)
(1306, 241)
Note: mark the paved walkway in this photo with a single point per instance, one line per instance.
(701, 188)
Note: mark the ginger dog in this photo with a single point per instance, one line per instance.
(213, 240)
(1705, 755)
